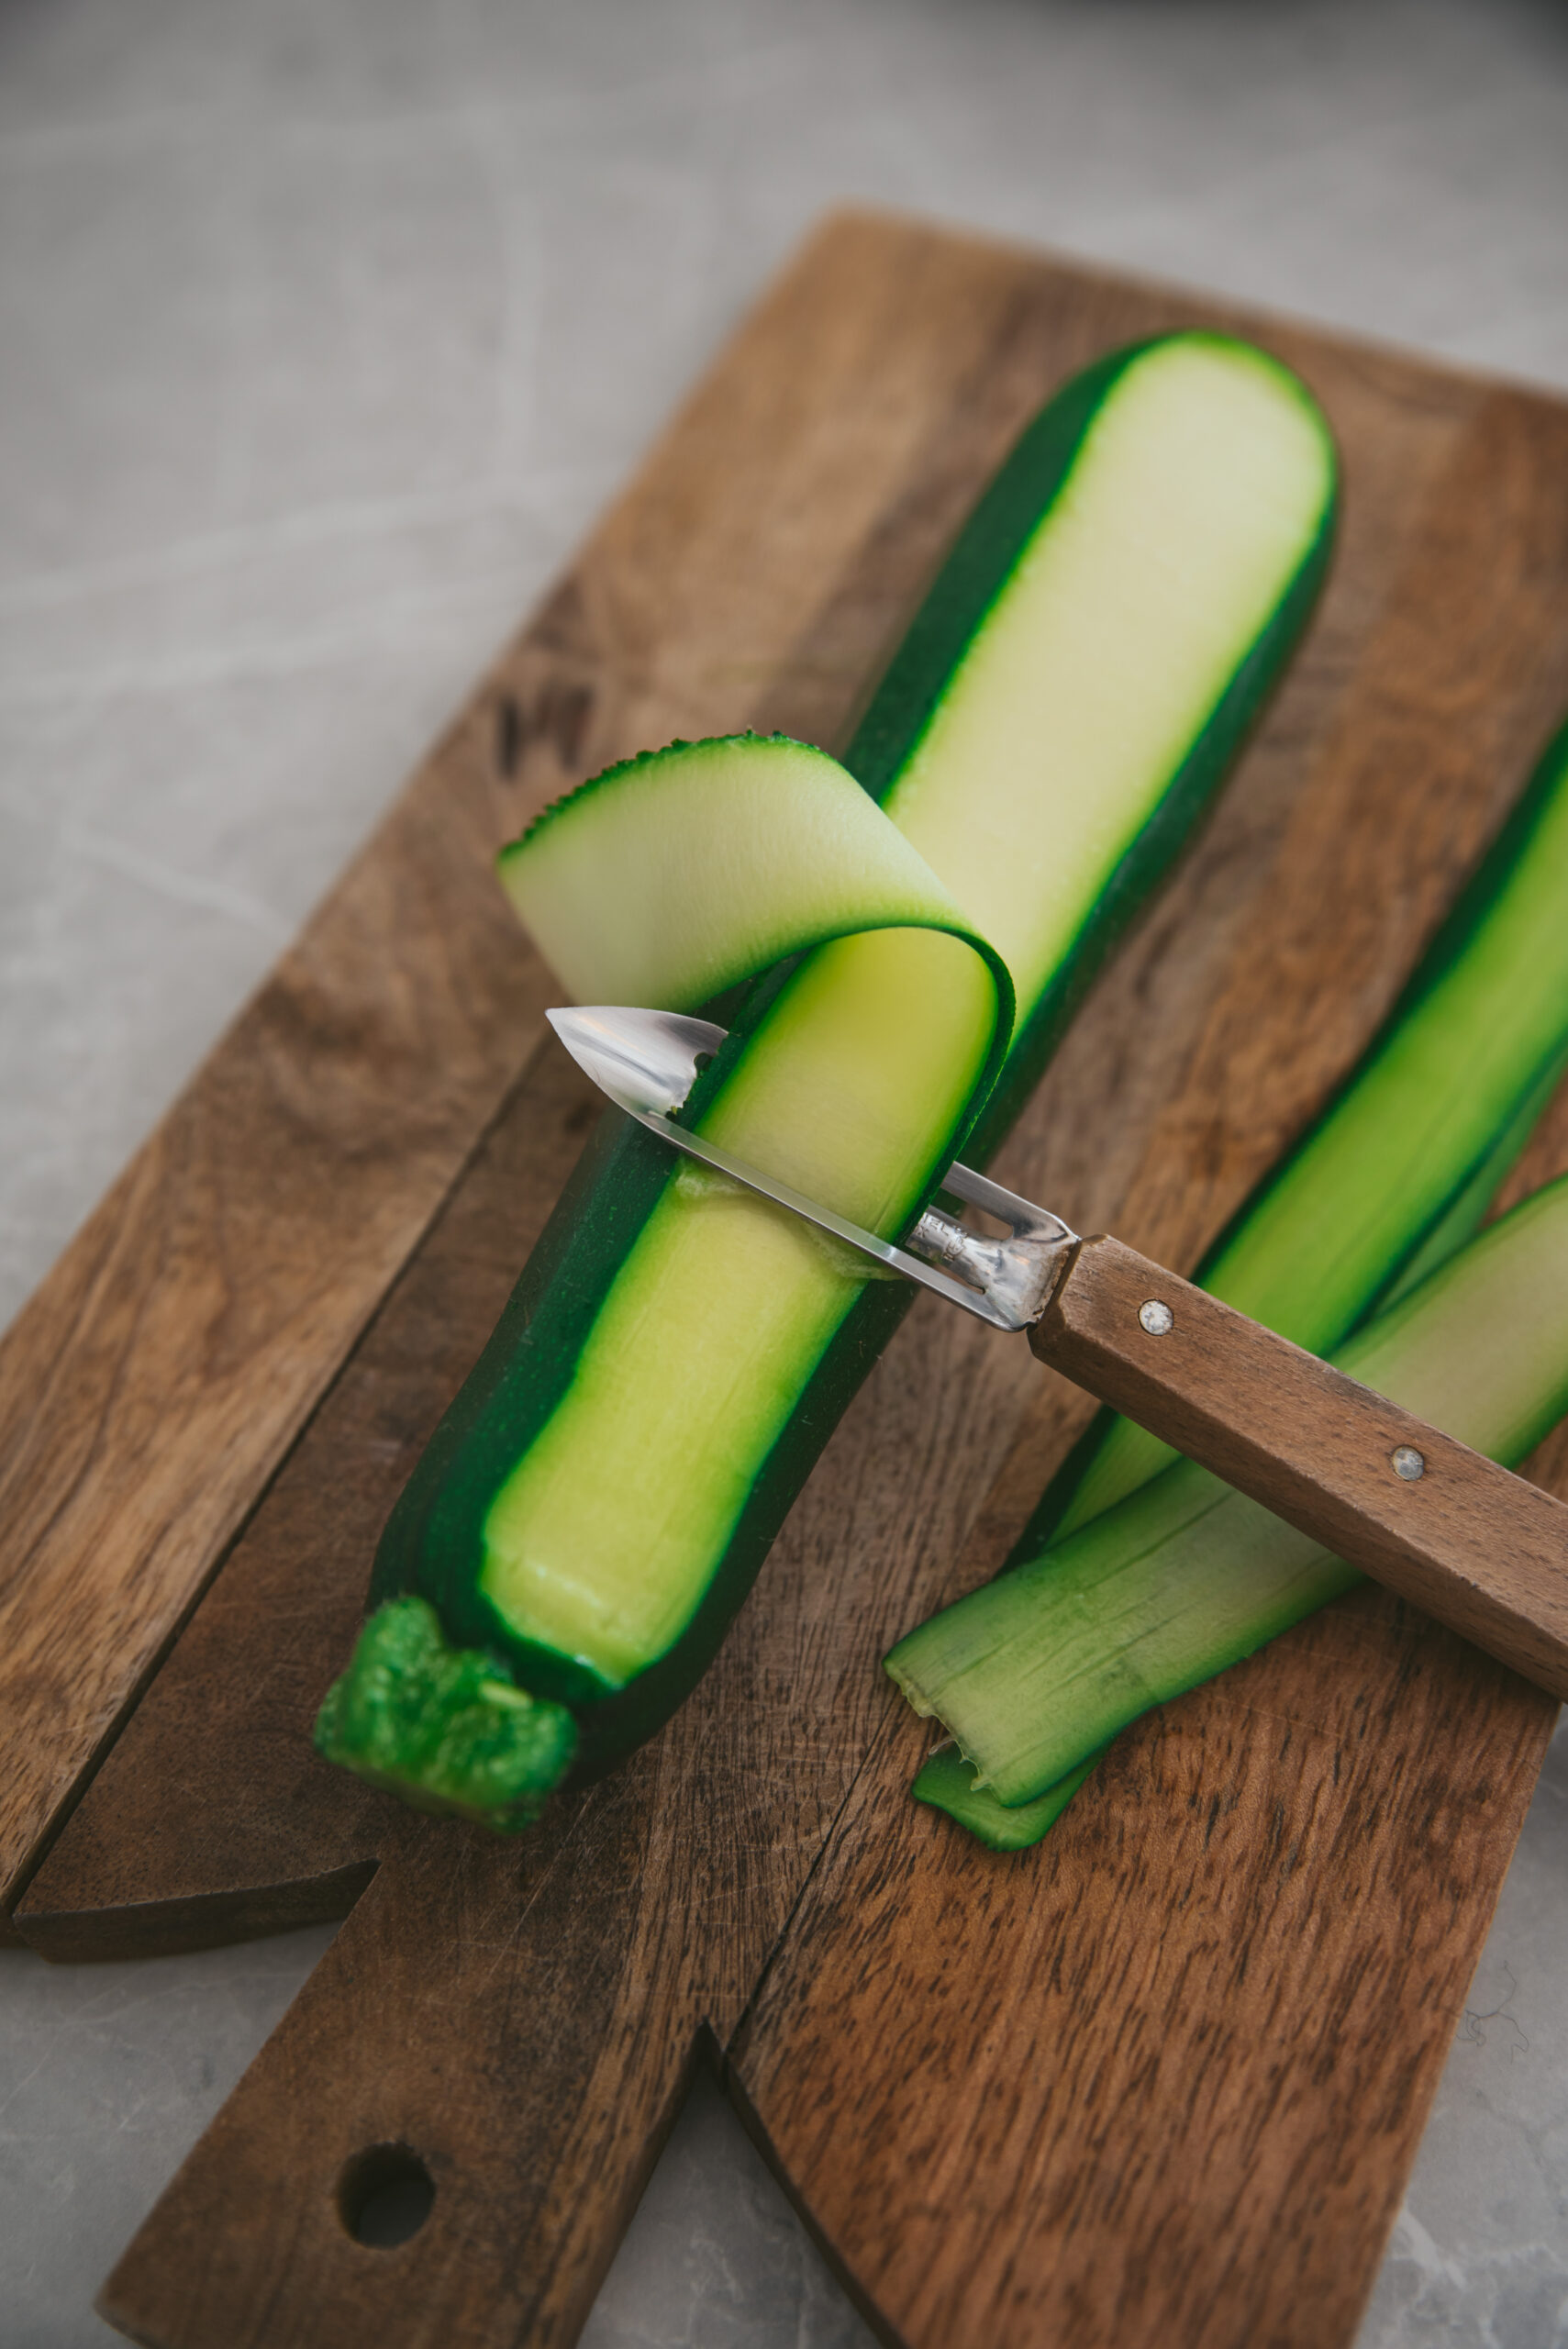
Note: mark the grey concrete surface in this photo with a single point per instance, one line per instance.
(324, 328)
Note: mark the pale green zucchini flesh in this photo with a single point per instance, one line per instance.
(1203, 484)
(1034, 1674)
(594, 1507)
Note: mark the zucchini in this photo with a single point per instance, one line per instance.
(1401, 1167)
(947, 1781)
(596, 1502)
(1036, 1672)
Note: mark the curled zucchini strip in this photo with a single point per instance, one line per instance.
(672, 878)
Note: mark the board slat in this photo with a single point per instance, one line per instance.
(1171, 2069)
(527, 2016)
(154, 1381)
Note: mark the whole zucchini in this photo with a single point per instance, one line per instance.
(599, 1496)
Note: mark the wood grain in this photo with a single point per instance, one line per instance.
(154, 1381)
(148, 1864)
(1164, 2076)
(1170, 2066)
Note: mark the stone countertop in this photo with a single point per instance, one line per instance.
(328, 326)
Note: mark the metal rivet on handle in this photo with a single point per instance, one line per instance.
(1409, 1463)
(1159, 1320)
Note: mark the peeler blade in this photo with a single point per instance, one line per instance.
(646, 1062)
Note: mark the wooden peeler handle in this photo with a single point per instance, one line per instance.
(1478, 1547)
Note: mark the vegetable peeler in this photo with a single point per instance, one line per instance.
(1477, 1547)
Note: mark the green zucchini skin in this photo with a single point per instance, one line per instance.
(432, 1541)
(1527, 1047)
(946, 1781)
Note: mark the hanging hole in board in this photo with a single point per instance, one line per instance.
(384, 2195)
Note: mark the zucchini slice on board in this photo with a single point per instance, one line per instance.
(1395, 1176)
(947, 1781)
(596, 1502)
(1034, 1674)
(1401, 1167)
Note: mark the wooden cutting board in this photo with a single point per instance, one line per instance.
(1160, 2080)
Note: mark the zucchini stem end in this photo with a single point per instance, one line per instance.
(445, 1727)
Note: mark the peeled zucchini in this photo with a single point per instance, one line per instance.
(598, 1498)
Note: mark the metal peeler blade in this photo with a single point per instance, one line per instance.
(646, 1062)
